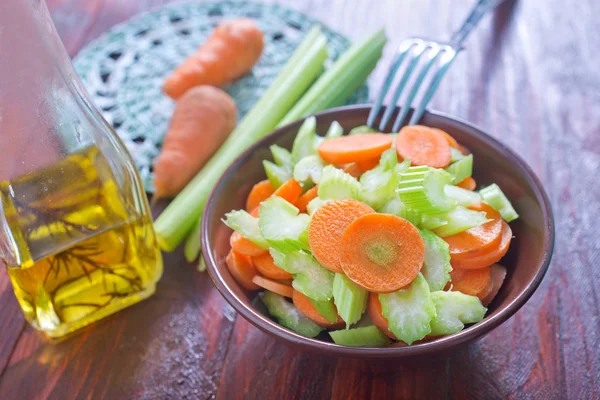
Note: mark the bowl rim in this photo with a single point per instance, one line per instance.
(451, 341)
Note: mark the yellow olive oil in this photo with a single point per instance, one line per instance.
(81, 242)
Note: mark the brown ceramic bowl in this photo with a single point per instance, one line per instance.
(526, 261)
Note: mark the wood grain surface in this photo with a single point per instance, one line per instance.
(529, 77)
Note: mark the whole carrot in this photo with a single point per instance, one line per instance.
(230, 52)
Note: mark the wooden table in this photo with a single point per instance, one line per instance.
(530, 77)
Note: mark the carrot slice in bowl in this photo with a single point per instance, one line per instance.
(304, 305)
(423, 146)
(381, 252)
(327, 227)
(451, 141)
(266, 266)
(353, 169)
(497, 274)
(468, 183)
(348, 149)
(244, 246)
(368, 165)
(241, 269)
(289, 191)
(273, 286)
(306, 198)
(470, 281)
(488, 257)
(259, 193)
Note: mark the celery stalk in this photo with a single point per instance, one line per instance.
(176, 221)
(193, 243)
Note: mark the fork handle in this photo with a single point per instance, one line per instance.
(477, 12)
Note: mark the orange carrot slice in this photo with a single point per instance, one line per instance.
(266, 266)
(423, 146)
(255, 211)
(259, 193)
(327, 226)
(381, 252)
(488, 257)
(470, 281)
(243, 246)
(347, 149)
(451, 141)
(368, 165)
(289, 191)
(465, 244)
(467, 183)
(304, 305)
(353, 169)
(273, 286)
(497, 274)
(306, 198)
(242, 270)
(374, 310)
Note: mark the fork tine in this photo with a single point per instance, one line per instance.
(398, 58)
(449, 54)
(414, 58)
(432, 55)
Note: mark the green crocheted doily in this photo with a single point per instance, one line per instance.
(124, 69)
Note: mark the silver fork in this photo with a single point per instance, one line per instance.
(414, 50)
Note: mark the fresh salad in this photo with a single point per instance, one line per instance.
(373, 237)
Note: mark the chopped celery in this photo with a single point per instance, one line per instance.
(305, 143)
(310, 278)
(454, 310)
(409, 311)
(193, 244)
(288, 316)
(335, 130)
(337, 185)
(376, 186)
(349, 298)
(436, 266)
(282, 226)
(277, 174)
(248, 226)
(456, 154)
(460, 219)
(314, 205)
(359, 130)
(309, 168)
(389, 159)
(326, 309)
(494, 196)
(368, 336)
(422, 189)
(178, 219)
(431, 222)
(394, 206)
(461, 169)
(201, 266)
(463, 197)
(281, 156)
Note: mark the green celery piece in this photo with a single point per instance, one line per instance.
(409, 311)
(422, 189)
(193, 243)
(178, 219)
(359, 130)
(389, 159)
(431, 222)
(340, 80)
(310, 278)
(276, 174)
(201, 266)
(309, 169)
(453, 311)
(335, 130)
(314, 205)
(436, 266)
(456, 155)
(281, 225)
(288, 316)
(248, 226)
(349, 298)
(281, 156)
(326, 309)
(462, 197)
(337, 185)
(495, 197)
(368, 336)
(394, 206)
(377, 186)
(460, 219)
(305, 143)
(461, 169)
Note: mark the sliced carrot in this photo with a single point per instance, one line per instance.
(243, 246)
(488, 257)
(289, 191)
(304, 305)
(374, 310)
(328, 225)
(255, 211)
(368, 165)
(287, 282)
(266, 266)
(259, 193)
(465, 244)
(381, 252)
(347, 149)
(451, 141)
(423, 146)
(497, 274)
(353, 169)
(273, 286)
(306, 198)
(487, 290)
(464, 150)
(470, 281)
(241, 269)
(467, 183)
